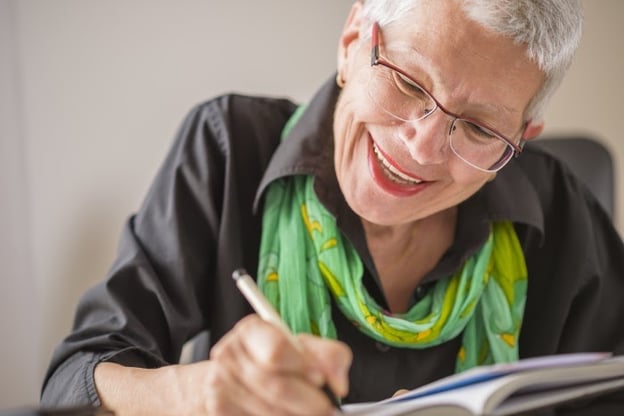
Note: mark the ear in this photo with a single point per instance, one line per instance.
(349, 37)
(532, 130)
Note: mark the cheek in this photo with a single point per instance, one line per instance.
(355, 97)
(351, 146)
(354, 112)
(351, 116)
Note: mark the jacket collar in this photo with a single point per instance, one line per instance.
(309, 147)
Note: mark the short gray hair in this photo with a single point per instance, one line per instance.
(550, 29)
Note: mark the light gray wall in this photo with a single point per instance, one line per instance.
(91, 93)
(20, 312)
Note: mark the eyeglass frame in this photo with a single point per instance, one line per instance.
(378, 59)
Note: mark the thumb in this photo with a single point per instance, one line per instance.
(400, 392)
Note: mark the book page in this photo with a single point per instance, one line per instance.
(517, 404)
(485, 373)
(540, 381)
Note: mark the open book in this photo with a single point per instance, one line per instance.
(507, 389)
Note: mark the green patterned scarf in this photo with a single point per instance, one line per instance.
(304, 259)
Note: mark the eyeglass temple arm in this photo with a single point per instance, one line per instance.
(522, 142)
(375, 44)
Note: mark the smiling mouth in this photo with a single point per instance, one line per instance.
(391, 172)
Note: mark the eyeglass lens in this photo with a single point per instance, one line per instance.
(399, 96)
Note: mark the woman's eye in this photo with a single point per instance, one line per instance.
(407, 86)
(478, 131)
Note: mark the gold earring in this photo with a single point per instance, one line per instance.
(339, 80)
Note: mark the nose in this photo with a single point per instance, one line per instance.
(426, 139)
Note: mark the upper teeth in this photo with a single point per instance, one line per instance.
(395, 172)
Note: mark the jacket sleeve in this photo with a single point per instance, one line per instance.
(172, 253)
(148, 306)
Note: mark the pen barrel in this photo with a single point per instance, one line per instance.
(261, 305)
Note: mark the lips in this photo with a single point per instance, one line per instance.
(389, 176)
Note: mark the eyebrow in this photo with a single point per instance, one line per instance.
(495, 108)
(426, 67)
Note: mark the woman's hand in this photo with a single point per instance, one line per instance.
(252, 370)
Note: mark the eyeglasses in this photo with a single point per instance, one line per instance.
(399, 95)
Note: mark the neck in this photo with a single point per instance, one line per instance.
(404, 254)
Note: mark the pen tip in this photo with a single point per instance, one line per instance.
(238, 273)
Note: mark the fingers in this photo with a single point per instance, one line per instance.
(256, 342)
(276, 374)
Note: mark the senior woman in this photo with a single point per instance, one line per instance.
(389, 220)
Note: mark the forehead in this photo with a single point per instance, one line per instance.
(460, 59)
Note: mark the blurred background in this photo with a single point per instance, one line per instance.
(92, 92)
